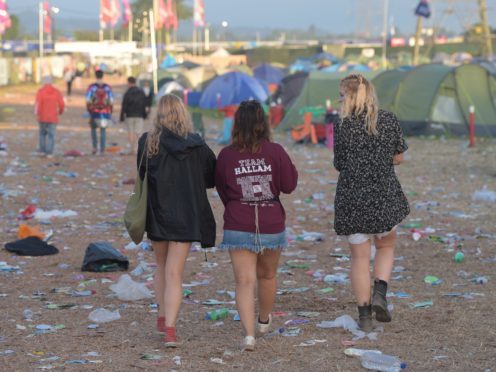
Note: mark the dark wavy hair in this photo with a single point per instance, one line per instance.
(250, 127)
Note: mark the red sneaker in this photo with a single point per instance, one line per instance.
(170, 339)
(161, 324)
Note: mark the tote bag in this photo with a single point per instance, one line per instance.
(135, 214)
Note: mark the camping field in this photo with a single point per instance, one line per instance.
(444, 326)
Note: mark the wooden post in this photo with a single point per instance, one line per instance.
(416, 48)
(488, 45)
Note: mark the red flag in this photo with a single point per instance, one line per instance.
(5, 21)
(105, 13)
(47, 24)
(127, 13)
(199, 14)
(163, 14)
(115, 11)
(174, 23)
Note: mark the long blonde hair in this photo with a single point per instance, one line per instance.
(358, 96)
(173, 115)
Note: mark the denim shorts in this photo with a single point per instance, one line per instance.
(250, 241)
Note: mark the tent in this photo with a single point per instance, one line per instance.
(319, 87)
(169, 87)
(268, 73)
(434, 97)
(233, 88)
(221, 52)
(302, 64)
(290, 88)
(197, 77)
(320, 57)
(346, 67)
(168, 62)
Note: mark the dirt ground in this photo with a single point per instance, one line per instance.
(455, 333)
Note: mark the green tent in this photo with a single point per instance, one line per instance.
(436, 98)
(319, 87)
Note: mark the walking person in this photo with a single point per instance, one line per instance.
(369, 202)
(48, 106)
(69, 78)
(180, 169)
(99, 103)
(250, 175)
(133, 112)
(150, 95)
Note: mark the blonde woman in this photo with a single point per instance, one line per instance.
(369, 200)
(180, 169)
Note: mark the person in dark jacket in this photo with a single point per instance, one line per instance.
(250, 175)
(180, 169)
(369, 202)
(149, 94)
(133, 112)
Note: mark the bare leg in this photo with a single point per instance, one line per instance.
(360, 272)
(266, 274)
(384, 258)
(245, 273)
(160, 249)
(174, 268)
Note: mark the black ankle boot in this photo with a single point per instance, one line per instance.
(379, 301)
(365, 318)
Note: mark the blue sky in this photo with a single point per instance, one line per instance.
(336, 16)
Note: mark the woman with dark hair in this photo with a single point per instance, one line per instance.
(250, 174)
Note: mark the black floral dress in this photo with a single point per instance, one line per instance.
(369, 198)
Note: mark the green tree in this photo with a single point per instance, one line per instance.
(183, 11)
(13, 32)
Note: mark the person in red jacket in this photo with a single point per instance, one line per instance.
(249, 176)
(49, 105)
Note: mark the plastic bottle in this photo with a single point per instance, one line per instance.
(217, 314)
(459, 257)
(27, 314)
(381, 362)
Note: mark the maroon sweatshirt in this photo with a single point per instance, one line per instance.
(246, 181)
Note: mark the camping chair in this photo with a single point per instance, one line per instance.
(305, 131)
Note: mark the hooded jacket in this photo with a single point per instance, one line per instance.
(134, 104)
(49, 104)
(178, 176)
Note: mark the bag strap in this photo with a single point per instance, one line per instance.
(145, 149)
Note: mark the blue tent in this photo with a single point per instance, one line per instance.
(233, 88)
(168, 62)
(302, 64)
(325, 57)
(268, 73)
(346, 67)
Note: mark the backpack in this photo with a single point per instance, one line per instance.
(100, 100)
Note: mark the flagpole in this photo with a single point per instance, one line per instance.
(40, 29)
(130, 28)
(154, 50)
(385, 34)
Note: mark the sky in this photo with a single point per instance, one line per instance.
(334, 16)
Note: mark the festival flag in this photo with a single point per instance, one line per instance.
(115, 12)
(174, 23)
(105, 13)
(5, 21)
(199, 14)
(163, 14)
(127, 13)
(47, 20)
(423, 9)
